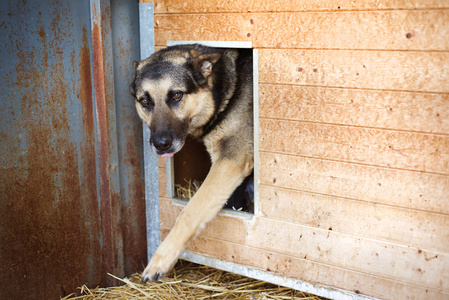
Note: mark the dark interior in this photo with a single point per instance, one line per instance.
(193, 162)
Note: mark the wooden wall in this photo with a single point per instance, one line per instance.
(354, 141)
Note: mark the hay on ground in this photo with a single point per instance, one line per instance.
(192, 281)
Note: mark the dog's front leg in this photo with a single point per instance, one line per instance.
(223, 178)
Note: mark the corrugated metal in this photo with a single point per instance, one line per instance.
(57, 140)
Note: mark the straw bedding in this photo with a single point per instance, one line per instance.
(187, 190)
(192, 281)
(190, 187)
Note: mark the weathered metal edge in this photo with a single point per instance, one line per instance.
(106, 140)
(319, 290)
(146, 24)
(220, 44)
(256, 130)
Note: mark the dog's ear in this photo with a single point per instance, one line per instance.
(204, 63)
(132, 89)
(132, 86)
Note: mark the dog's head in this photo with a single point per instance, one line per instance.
(173, 92)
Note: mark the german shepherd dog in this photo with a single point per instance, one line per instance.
(206, 93)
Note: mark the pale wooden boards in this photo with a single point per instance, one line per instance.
(354, 141)
(221, 6)
(404, 111)
(367, 30)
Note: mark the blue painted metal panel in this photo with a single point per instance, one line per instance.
(109, 192)
(125, 45)
(59, 148)
(49, 212)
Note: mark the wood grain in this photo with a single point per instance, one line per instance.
(379, 70)
(227, 228)
(412, 265)
(372, 30)
(427, 192)
(163, 181)
(424, 112)
(375, 257)
(382, 222)
(220, 6)
(310, 271)
(354, 139)
(161, 162)
(378, 147)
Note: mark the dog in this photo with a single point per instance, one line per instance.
(206, 93)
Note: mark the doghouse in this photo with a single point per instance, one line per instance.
(352, 144)
(351, 184)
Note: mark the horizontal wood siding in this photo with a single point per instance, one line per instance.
(404, 111)
(354, 141)
(307, 270)
(405, 30)
(422, 230)
(386, 148)
(262, 251)
(417, 190)
(254, 6)
(379, 70)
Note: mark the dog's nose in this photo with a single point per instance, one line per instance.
(162, 143)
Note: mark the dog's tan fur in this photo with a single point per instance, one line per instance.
(228, 140)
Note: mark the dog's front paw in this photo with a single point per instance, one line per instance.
(161, 262)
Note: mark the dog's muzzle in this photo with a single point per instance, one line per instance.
(163, 144)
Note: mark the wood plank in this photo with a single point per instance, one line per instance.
(162, 182)
(198, 6)
(387, 260)
(373, 30)
(226, 27)
(219, 227)
(168, 212)
(384, 70)
(407, 227)
(382, 222)
(428, 192)
(310, 271)
(378, 147)
(404, 263)
(367, 108)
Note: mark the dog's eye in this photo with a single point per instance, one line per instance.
(177, 96)
(145, 102)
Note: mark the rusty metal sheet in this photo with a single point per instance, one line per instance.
(61, 198)
(125, 41)
(50, 239)
(112, 241)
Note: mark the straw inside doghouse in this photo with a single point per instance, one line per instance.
(188, 189)
(192, 281)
